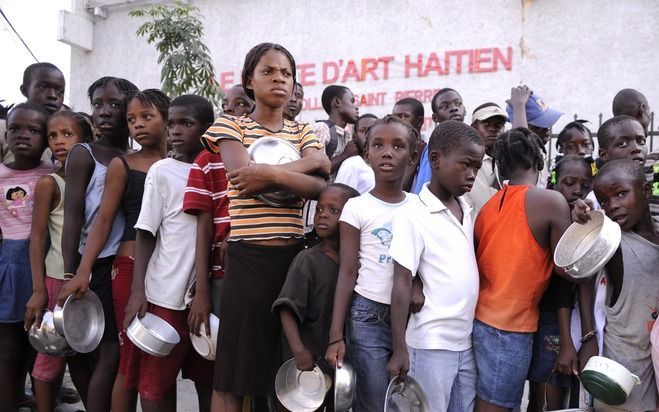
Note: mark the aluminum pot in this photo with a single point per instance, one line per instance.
(607, 380)
(586, 248)
(153, 335)
(274, 151)
(405, 396)
(345, 381)
(206, 345)
(81, 321)
(301, 391)
(45, 339)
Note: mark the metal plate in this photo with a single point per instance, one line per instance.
(298, 390)
(83, 322)
(274, 151)
(345, 381)
(405, 396)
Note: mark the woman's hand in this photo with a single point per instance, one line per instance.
(34, 309)
(77, 286)
(252, 179)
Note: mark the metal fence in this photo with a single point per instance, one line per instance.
(652, 136)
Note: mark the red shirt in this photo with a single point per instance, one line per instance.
(206, 191)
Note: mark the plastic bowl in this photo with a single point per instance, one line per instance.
(206, 345)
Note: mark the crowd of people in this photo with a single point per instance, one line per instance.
(401, 254)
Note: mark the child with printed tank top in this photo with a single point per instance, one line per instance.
(264, 239)
(87, 165)
(515, 234)
(65, 129)
(434, 240)
(623, 192)
(363, 289)
(164, 269)
(554, 357)
(146, 115)
(206, 198)
(26, 139)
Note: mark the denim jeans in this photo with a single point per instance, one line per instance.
(503, 359)
(369, 350)
(448, 378)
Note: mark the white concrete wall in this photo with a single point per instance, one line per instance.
(575, 54)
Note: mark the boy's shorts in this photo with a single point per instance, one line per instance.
(546, 348)
(502, 360)
(49, 368)
(154, 377)
(122, 278)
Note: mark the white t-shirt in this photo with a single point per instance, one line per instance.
(171, 268)
(372, 217)
(430, 240)
(355, 173)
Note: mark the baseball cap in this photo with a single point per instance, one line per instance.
(538, 113)
(488, 110)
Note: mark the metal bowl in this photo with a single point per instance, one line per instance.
(301, 391)
(345, 381)
(81, 321)
(206, 345)
(45, 339)
(153, 335)
(274, 151)
(405, 396)
(585, 249)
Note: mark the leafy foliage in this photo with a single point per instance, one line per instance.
(186, 62)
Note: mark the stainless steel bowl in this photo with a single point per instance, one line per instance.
(274, 151)
(81, 321)
(45, 339)
(345, 381)
(301, 391)
(405, 396)
(153, 335)
(585, 249)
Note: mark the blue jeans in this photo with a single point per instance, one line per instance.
(503, 360)
(369, 350)
(448, 378)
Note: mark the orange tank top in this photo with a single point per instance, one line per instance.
(514, 269)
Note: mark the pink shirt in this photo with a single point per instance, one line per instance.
(17, 199)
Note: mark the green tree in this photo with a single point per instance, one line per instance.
(186, 62)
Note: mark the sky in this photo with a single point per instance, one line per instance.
(37, 23)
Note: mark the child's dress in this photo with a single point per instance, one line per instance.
(15, 223)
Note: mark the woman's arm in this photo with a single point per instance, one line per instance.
(115, 184)
(144, 246)
(345, 285)
(81, 167)
(45, 193)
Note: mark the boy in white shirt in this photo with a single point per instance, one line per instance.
(433, 239)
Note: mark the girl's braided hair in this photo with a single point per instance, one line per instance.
(518, 148)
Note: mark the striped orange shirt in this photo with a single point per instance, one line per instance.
(251, 218)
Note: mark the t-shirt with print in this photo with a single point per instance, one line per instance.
(170, 271)
(373, 217)
(252, 218)
(206, 191)
(429, 240)
(309, 293)
(355, 173)
(18, 199)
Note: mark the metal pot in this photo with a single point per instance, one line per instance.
(345, 381)
(274, 151)
(45, 339)
(206, 345)
(586, 248)
(405, 396)
(607, 380)
(81, 321)
(153, 335)
(301, 391)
